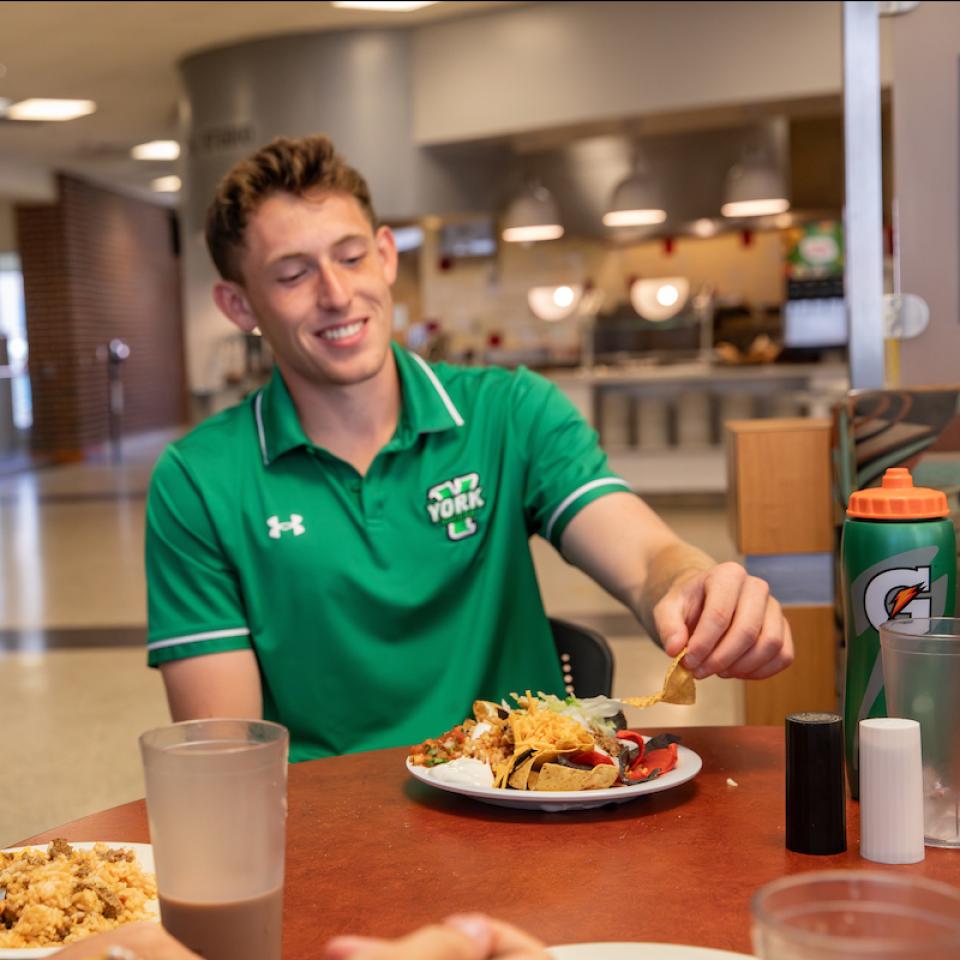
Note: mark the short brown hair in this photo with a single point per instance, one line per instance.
(282, 166)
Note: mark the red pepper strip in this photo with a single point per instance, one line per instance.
(632, 736)
(665, 759)
(590, 758)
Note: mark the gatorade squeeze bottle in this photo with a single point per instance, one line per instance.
(899, 559)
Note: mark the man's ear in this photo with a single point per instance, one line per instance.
(231, 300)
(387, 247)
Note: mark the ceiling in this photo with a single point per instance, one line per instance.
(123, 55)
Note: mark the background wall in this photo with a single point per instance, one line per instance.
(926, 148)
(8, 239)
(528, 68)
(97, 266)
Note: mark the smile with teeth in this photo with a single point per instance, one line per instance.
(342, 331)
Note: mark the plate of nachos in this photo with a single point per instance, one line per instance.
(554, 754)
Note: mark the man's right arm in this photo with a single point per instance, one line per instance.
(199, 636)
(217, 685)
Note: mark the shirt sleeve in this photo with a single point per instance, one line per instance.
(566, 467)
(194, 601)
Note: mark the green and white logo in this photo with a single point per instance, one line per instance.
(454, 503)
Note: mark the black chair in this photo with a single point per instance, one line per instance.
(585, 658)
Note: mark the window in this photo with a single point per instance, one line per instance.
(13, 326)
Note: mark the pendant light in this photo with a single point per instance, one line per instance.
(533, 215)
(755, 187)
(636, 200)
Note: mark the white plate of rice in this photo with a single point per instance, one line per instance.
(89, 892)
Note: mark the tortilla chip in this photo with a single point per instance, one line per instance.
(543, 757)
(487, 712)
(603, 775)
(520, 771)
(678, 687)
(506, 769)
(555, 777)
(520, 776)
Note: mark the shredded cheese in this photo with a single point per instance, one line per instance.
(543, 729)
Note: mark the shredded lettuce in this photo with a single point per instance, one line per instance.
(591, 712)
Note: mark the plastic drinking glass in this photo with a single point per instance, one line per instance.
(921, 674)
(856, 915)
(216, 803)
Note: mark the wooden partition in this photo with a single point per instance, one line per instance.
(781, 517)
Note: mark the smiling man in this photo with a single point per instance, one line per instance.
(346, 552)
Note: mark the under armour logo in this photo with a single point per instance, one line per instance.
(279, 527)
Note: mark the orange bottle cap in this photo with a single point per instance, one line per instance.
(898, 499)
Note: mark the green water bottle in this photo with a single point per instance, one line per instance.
(899, 561)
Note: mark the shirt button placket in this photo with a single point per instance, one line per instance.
(372, 500)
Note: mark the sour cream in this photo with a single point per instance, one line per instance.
(464, 771)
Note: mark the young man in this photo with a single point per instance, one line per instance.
(347, 551)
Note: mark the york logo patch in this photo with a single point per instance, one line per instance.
(279, 527)
(454, 503)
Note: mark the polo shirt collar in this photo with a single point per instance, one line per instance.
(426, 407)
(278, 426)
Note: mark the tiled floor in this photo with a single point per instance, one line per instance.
(71, 578)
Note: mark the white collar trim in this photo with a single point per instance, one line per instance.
(444, 396)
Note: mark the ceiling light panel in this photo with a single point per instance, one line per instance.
(40, 109)
(165, 184)
(156, 150)
(402, 6)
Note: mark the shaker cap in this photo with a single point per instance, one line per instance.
(898, 499)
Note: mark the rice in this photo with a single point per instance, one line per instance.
(60, 895)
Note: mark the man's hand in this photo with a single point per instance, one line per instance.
(142, 941)
(470, 936)
(728, 621)
(732, 625)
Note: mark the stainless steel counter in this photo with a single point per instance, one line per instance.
(662, 424)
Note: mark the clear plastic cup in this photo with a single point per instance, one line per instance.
(216, 802)
(856, 915)
(921, 676)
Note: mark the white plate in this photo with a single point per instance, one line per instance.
(640, 951)
(144, 855)
(550, 801)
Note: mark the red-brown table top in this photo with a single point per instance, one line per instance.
(370, 850)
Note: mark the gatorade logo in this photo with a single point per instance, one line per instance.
(902, 593)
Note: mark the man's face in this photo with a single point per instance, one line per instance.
(317, 281)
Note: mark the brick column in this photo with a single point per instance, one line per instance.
(99, 265)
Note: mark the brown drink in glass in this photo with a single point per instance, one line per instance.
(216, 801)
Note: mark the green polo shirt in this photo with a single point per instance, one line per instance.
(379, 606)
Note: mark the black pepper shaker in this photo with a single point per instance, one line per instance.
(816, 794)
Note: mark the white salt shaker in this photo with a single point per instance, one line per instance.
(891, 791)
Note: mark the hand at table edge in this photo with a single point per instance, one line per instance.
(469, 936)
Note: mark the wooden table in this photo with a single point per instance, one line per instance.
(370, 850)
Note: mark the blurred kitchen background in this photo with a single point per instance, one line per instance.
(687, 158)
